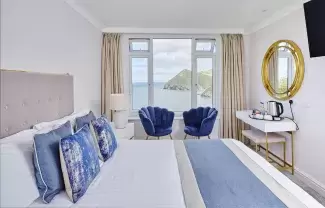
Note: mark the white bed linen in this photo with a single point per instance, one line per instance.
(17, 182)
(144, 174)
(56, 123)
(141, 174)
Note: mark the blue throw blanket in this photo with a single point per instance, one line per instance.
(224, 181)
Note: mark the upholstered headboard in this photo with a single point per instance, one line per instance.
(29, 98)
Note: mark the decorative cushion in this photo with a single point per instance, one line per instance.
(105, 137)
(83, 120)
(47, 161)
(95, 142)
(86, 119)
(79, 162)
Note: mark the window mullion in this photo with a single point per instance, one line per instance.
(194, 75)
(214, 82)
(150, 74)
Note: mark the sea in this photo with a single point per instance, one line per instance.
(174, 100)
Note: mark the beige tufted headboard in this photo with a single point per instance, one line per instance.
(29, 98)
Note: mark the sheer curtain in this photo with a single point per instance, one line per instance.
(111, 72)
(233, 97)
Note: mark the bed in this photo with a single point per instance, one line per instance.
(144, 174)
(150, 174)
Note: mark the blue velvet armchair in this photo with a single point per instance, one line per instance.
(199, 121)
(156, 121)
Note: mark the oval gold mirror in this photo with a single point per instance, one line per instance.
(283, 69)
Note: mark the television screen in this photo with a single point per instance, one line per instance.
(315, 22)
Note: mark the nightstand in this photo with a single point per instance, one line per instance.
(127, 133)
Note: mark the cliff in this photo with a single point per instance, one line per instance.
(182, 81)
(207, 92)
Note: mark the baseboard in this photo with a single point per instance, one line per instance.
(310, 181)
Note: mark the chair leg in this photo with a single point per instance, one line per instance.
(158, 138)
(209, 136)
(185, 136)
(171, 137)
(147, 137)
(198, 137)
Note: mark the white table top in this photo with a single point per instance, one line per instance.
(266, 126)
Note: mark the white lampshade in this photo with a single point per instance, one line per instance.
(118, 102)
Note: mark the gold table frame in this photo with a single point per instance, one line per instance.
(284, 165)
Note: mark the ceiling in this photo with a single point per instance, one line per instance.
(198, 14)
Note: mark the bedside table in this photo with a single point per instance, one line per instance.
(127, 133)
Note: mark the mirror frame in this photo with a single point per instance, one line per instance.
(300, 70)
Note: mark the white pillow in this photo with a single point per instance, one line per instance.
(49, 124)
(51, 128)
(18, 186)
(26, 137)
(61, 121)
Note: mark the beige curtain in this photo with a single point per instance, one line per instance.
(233, 98)
(111, 75)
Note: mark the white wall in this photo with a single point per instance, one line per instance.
(48, 36)
(308, 103)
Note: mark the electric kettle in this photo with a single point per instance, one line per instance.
(274, 108)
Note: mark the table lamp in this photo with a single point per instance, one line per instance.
(119, 104)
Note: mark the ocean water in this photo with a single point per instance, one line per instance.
(171, 99)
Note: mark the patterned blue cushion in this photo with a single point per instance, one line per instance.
(47, 161)
(83, 120)
(79, 162)
(105, 137)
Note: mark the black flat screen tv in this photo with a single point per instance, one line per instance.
(315, 22)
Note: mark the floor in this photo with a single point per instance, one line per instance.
(308, 189)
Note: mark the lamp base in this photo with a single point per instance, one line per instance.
(120, 119)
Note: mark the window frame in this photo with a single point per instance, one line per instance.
(138, 40)
(205, 40)
(216, 70)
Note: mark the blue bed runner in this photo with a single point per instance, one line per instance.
(224, 181)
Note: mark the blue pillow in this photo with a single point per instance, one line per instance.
(79, 162)
(83, 120)
(48, 172)
(105, 137)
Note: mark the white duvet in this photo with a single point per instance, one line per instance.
(141, 174)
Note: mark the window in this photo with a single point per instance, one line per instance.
(205, 45)
(139, 45)
(174, 73)
(204, 80)
(139, 82)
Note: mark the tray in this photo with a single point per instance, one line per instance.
(262, 119)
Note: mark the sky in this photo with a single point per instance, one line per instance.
(170, 56)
